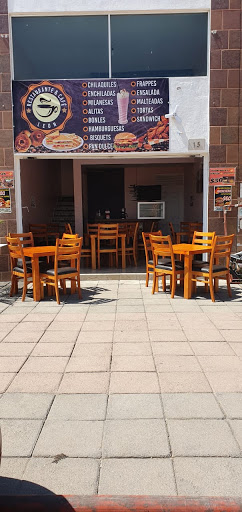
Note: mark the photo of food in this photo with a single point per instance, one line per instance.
(62, 141)
(125, 141)
(25, 139)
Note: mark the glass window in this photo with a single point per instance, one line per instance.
(159, 45)
(46, 47)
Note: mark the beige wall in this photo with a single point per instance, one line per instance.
(41, 184)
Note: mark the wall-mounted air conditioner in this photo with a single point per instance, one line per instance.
(151, 210)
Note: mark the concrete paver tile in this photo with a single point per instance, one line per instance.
(137, 476)
(163, 307)
(230, 324)
(73, 438)
(133, 336)
(98, 326)
(131, 349)
(16, 349)
(203, 476)
(134, 382)
(95, 337)
(225, 381)
(25, 405)
(78, 407)
(203, 334)
(39, 317)
(88, 364)
(23, 337)
(167, 335)
(5, 380)
(131, 316)
(11, 364)
(65, 326)
(13, 317)
(56, 477)
(135, 438)
(6, 326)
(76, 316)
(183, 382)
(129, 325)
(190, 405)
(127, 309)
(33, 326)
(220, 363)
(12, 470)
(171, 348)
(236, 426)
(52, 349)
(132, 363)
(232, 335)
(159, 324)
(166, 363)
(59, 336)
(237, 348)
(201, 438)
(92, 349)
(19, 437)
(92, 316)
(231, 403)
(85, 383)
(35, 383)
(134, 406)
(210, 348)
(45, 364)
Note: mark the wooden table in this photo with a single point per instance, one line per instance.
(35, 253)
(188, 251)
(93, 249)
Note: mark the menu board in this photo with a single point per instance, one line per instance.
(222, 197)
(6, 179)
(5, 200)
(222, 175)
(91, 116)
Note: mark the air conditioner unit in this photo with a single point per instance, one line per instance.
(151, 210)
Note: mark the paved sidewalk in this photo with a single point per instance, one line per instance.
(122, 393)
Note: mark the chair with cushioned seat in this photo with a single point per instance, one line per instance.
(19, 268)
(222, 247)
(162, 247)
(202, 238)
(68, 250)
(148, 254)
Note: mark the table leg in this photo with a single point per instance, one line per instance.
(93, 252)
(187, 276)
(123, 252)
(36, 278)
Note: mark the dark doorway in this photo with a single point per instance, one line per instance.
(105, 190)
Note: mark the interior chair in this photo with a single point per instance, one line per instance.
(18, 271)
(39, 233)
(68, 228)
(107, 241)
(52, 231)
(131, 246)
(173, 233)
(67, 250)
(194, 226)
(162, 247)
(221, 250)
(201, 238)
(148, 254)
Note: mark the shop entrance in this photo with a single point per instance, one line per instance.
(105, 192)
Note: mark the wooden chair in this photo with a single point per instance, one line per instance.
(148, 254)
(222, 247)
(67, 250)
(68, 229)
(162, 247)
(194, 226)
(173, 233)
(21, 271)
(201, 238)
(39, 233)
(107, 241)
(131, 247)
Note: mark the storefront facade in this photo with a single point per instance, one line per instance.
(124, 79)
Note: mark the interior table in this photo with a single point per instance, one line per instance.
(93, 238)
(188, 251)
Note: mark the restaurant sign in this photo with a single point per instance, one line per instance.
(6, 179)
(222, 175)
(222, 198)
(5, 200)
(91, 116)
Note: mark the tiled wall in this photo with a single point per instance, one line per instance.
(225, 121)
(7, 221)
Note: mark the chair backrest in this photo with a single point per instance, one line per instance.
(52, 227)
(184, 226)
(16, 252)
(163, 245)
(92, 229)
(26, 239)
(67, 237)
(68, 228)
(38, 228)
(222, 247)
(154, 226)
(122, 227)
(107, 231)
(202, 238)
(132, 233)
(173, 234)
(147, 244)
(194, 226)
(68, 251)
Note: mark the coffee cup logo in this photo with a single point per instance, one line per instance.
(46, 106)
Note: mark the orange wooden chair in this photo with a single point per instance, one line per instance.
(107, 241)
(173, 233)
(67, 250)
(148, 254)
(194, 226)
(201, 238)
(39, 233)
(68, 228)
(222, 246)
(18, 271)
(131, 247)
(162, 247)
